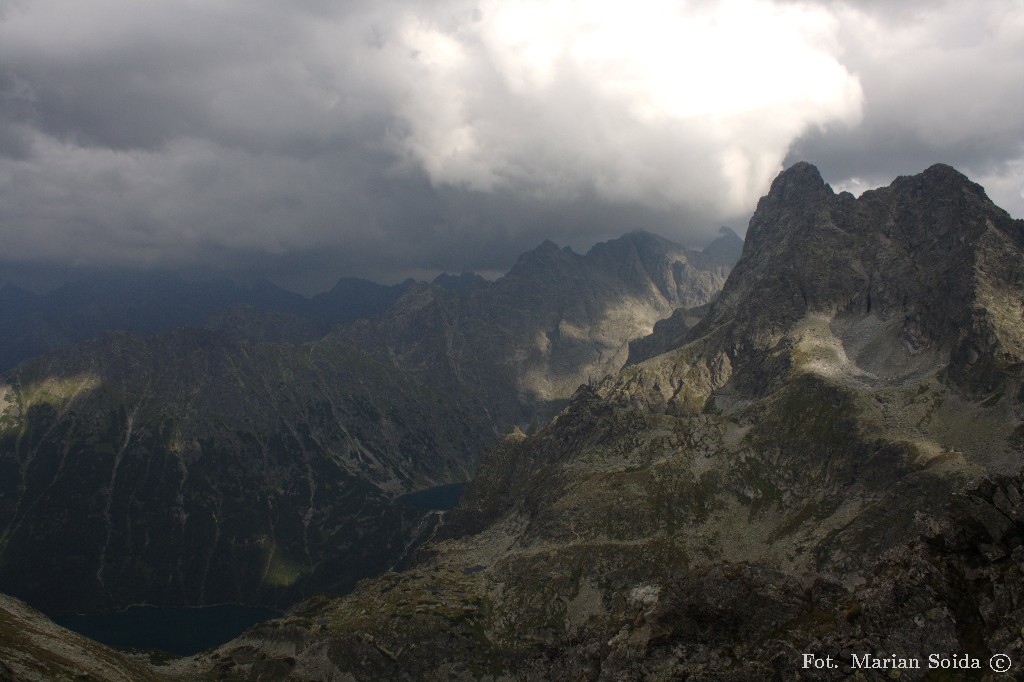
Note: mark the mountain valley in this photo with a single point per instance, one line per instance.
(259, 459)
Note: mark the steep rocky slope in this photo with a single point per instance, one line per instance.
(242, 464)
(33, 649)
(189, 469)
(556, 320)
(828, 462)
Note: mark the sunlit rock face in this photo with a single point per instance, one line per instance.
(257, 461)
(829, 461)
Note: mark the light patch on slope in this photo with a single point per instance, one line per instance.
(817, 350)
(583, 353)
(865, 350)
(882, 348)
(279, 570)
(588, 604)
(55, 391)
(872, 354)
(943, 425)
(60, 390)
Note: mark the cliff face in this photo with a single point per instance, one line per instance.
(929, 258)
(828, 461)
(248, 464)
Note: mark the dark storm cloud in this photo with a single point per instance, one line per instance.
(16, 112)
(308, 140)
(942, 83)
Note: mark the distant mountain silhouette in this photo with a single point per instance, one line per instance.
(149, 303)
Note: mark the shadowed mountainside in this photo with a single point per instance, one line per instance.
(245, 464)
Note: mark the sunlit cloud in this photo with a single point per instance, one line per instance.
(680, 104)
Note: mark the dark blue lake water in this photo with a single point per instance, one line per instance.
(177, 631)
(442, 497)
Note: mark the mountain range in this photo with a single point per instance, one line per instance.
(827, 461)
(149, 303)
(261, 458)
(824, 459)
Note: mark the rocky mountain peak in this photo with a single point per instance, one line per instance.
(725, 249)
(798, 183)
(941, 210)
(938, 183)
(929, 259)
(460, 281)
(632, 243)
(942, 176)
(641, 240)
(798, 189)
(547, 256)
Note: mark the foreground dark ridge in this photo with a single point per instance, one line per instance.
(33, 649)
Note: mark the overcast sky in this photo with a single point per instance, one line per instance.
(305, 140)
